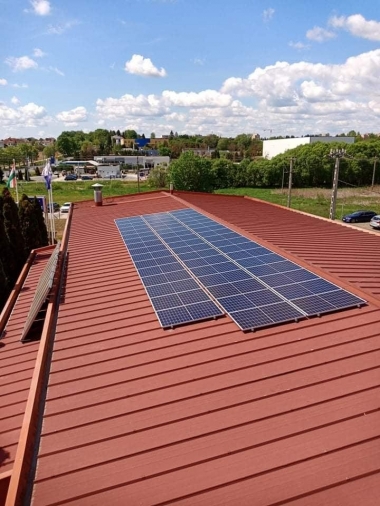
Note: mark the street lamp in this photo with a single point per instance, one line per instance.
(337, 153)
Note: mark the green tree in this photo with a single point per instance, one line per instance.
(130, 134)
(222, 170)
(158, 177)
(49, 151)
(8, 263)
(164, 151)
(152, 135)
(192, 173)
(13, 229)
(30, 216)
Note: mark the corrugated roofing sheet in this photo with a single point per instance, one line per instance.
(205, 414)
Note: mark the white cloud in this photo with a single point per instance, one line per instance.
(38, 53)
(3, 82)
(23, 85)
(73, 117)
(207, 98)
(143, 67)
(21, 63)
(130, 105)
(199, 61)
(61, 28)
(56, 70)
(319, 34)
(15, 101)
(41, 7)
(358, 26)
(28, 116)
(268, 14)
(299, 45)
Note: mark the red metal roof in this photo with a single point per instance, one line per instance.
(206, 414)
(17, 362)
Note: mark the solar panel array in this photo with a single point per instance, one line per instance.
(254, 285)
(176, 297)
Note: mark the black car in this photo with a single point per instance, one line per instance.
(359, 216)
(85, 177)
(53, 207)
(71, 177)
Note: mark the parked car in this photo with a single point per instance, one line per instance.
(375, 222)
(53, 207)
(359, 216)
(65, 208)
(71, 177)
(86, 177)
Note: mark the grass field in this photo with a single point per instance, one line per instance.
(316, 200)
(74, 191)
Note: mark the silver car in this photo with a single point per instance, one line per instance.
(375, 222)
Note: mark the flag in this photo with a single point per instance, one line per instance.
(47, 173)
(12, 180)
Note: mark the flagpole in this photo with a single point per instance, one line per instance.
(16, 185)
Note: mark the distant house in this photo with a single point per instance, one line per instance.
(204, 152)
(118, 140)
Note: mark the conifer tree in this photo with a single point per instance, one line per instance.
(13, 229)
(29, 225)
(7, 260)
(41, 223)
(4, 288)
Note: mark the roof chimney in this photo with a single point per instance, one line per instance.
(98, 197)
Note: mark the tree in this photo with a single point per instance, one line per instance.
(152, 135)
(164, 151)
(13, 229)
(49, 151)
(130, 134)
(34, 234)
(158, 177)
(222, 170)
(66, 144)
(8, 266)
(192, 173)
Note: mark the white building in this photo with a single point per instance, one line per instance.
(274, 147)
(107, 171)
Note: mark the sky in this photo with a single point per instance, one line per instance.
(267, 67)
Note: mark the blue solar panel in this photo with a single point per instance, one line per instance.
(175, 295)
(255, 285)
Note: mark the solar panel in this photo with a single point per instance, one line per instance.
(286, 291)
(176, 297)
(255, 285)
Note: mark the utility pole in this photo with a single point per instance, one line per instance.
(283, 178)
(138, 175)
(373, 173)
(337, 154)
(290, 182)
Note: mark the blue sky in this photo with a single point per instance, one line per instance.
(192, 66)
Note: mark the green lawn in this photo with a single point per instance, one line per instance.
(316, 200)
(74, 191)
